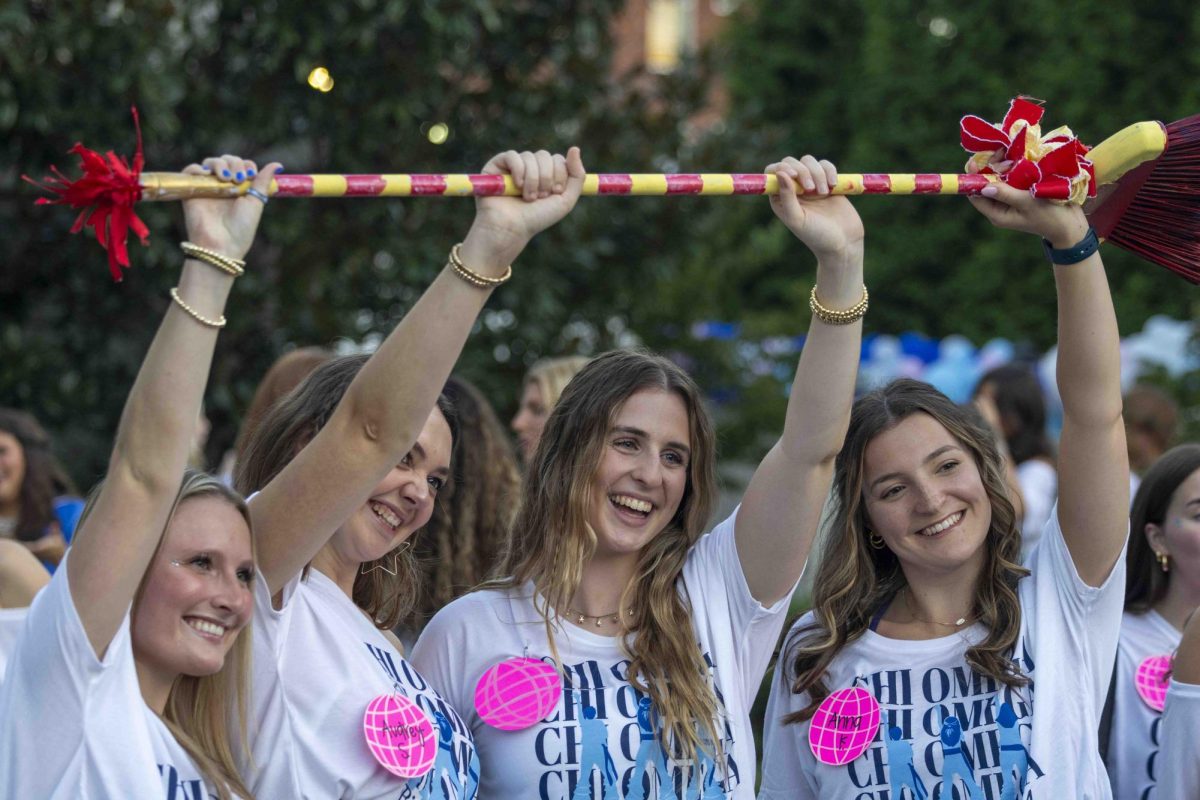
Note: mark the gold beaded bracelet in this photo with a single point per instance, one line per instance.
(472, 277)
(219, 322)
(232, 266)
(831, 317)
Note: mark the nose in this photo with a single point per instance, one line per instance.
(416, 489)
(648, 469)
(232, 595)
(519, 422)
(928, 498)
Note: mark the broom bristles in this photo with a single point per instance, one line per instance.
(1162, 223)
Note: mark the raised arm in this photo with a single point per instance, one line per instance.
(779, 514)
(385, 407)
(115, 542)
(1093, 465)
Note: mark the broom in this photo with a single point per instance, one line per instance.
(1148, 203)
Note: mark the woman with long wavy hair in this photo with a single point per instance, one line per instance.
(989, 675)
(660, 635)
(346, 469)
(1162, 589)
(129, 678)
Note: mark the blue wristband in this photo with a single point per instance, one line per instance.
(1089, 244)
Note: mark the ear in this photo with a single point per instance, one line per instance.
(1157, 539)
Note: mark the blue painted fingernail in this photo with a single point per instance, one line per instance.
(240, 175)
(279, 169)
(206, 169)
(225, 173)
(253, 173)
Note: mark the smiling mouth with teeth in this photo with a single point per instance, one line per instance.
(947, 523)
(633, 504)
(386, 514)
(204, 626)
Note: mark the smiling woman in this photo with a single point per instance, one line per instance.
(130, 672)
(659, 633)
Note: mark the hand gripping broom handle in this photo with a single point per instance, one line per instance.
(1113, 157)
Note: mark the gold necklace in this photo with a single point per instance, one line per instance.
(613, 616)
(958, 623)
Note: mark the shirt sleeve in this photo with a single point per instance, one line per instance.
(716, 586)
(1179, 744)
(783, 773)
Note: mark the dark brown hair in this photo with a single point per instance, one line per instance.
(1145, 582)
(44, 479)
(1022, 407)
(288, 371)
(291, 424)
(854, 579)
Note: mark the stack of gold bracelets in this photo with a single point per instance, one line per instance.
(230, 266)
(472, 277)
(832, 317)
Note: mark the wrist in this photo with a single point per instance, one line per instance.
(490, 251)
(1079, 249)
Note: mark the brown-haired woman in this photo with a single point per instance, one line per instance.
(38, 506)
(130, 674)
(661, 634)
(920, 600)
(1162, 589)
(346, 469)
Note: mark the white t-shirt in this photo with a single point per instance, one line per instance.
(1045, 732)
(1039, 490)
(318, 663)
(12, 620)
(595, 728)
(75, 726)
(1134, 740)
(1179, 756)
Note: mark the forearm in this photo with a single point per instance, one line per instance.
(1089, 356)
(819, 405)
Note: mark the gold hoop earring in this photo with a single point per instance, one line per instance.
(362, 570)
(1164, 561)
(875, 540)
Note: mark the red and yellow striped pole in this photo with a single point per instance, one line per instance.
(175, 186)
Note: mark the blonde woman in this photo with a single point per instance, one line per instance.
(544, 384)
(346, 469)
(127, 678)
(989, 676)
(661, 635)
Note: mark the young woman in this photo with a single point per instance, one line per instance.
(1179, 759)
(347, 468)
(127, 676)
(38, 506)
(660, 635)
(1162, 589)
(990, 676)
(544, 383)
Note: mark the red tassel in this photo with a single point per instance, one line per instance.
(106, 194)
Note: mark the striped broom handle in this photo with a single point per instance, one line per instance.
(176, 186)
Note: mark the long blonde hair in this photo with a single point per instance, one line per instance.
(551, 376)
(203, 710)
(855, 579)
(552, 540)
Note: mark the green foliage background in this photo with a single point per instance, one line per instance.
(864, 83)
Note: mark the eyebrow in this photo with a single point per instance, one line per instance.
(641, 434)
(931, 457)
(421, 454)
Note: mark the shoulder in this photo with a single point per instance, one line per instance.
(475, 608)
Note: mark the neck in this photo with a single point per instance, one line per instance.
(926, 602)
(338, 569)
(599, 594)
(155, 686)
(1179, 601)
(11, 508)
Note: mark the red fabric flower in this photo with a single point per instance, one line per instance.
(106, 194)
(1053, 166)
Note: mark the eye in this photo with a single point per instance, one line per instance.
(625, 444)
(202, 562)
(436, 483)
(890, 492)
(675, 459)
(407, 460)
(948, 466)
(245, 575)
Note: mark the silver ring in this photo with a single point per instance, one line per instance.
(257, 195)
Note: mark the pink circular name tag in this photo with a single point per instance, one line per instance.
(400, 736)
(844, 726)
(1151, 681)
(517, 693)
